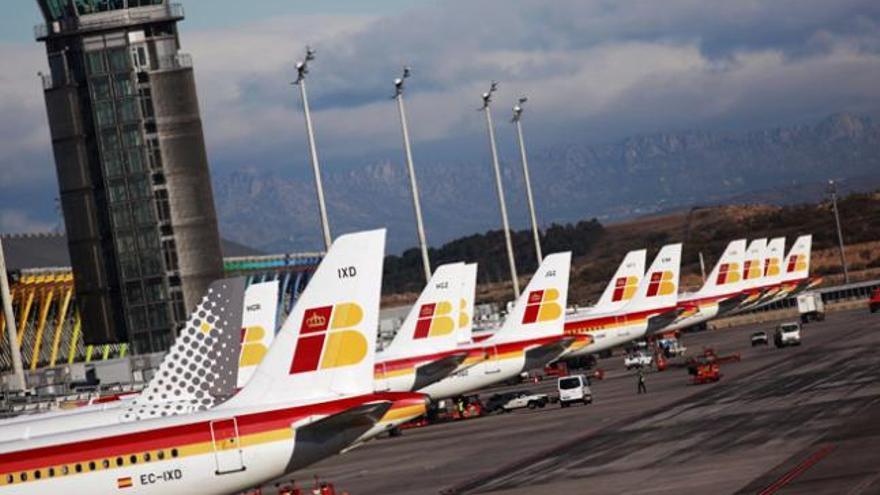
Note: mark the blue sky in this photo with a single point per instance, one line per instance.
(595, 71)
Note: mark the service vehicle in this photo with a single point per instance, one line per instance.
(788, 334)
(524, 398)
(760, 338)
(811, 307)
(874, 303)
(638, 360)
(574, 389)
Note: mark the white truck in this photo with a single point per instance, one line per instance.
(787, 334)
(574, 389)
(811, 307)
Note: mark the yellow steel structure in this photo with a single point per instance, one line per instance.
(77, 330)
(47, 296)
(59, 325)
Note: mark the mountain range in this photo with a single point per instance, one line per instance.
(636, 176)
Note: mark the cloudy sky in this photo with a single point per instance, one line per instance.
(594, 70)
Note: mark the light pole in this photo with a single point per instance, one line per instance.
(420, 226)
(832, 190)
(487, 99)
(302, 68)
(517, 121)
(11, 331)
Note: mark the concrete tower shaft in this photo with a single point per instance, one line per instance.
(132, 167)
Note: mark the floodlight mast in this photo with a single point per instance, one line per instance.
(420, 226)
(517, 121)
(832, 190)
(486, 108)
(302, 68)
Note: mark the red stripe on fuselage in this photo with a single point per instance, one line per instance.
(591, 323)
(175, 436)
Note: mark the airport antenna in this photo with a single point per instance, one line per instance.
(517, 122)
(407, 148)
(487, 109)
(302, 69)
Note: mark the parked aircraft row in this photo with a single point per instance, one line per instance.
(235, 404)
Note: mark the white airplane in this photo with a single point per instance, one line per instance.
(424, 350)
(465, 331)
(530, 337)
(720, 294)
(226, 300)
(794, 276)
(652, 306)
(311, 396)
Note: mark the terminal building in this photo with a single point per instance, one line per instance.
(132, 168)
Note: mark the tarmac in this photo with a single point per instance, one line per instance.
(802, 420)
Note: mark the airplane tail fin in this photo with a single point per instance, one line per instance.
(797, 263)
(727, 274)
(622, 287)
(466, 305)
(430, 326)
(753, 266)
(326, 348)
(659, 288)
(199, 370)
(257, 327)
(540, 309)
(773, 261)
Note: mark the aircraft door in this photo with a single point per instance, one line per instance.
(227, 446)
(492, 364)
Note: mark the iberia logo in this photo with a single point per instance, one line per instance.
(542, 306)
(661, 284)
(464, 319)
(728, 273)
(435, 320)
(625, 288)
(327, 338)
(752, 269)
(771, 267)
(252, 348)
(797, 263)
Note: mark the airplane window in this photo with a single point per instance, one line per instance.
(146, 457)
(38, 474)
(23, 476)
(119, 461)
(51, 472)
(10, 478)
(133, 459)
(65, 470)
(92, 466)
(160, 455)
(105, 463)
(173, 452)
(78, 468)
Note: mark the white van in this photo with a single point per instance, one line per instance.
(574, 388)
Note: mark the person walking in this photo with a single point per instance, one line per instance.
(642, 388)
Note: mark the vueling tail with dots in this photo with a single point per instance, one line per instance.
(197, 373)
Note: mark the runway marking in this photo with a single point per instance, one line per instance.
(797, 470)
(864, 485)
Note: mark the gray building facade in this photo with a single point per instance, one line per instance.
(132, 168)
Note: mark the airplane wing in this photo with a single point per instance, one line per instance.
(330, 435)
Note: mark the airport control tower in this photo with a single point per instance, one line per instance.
(132, 168)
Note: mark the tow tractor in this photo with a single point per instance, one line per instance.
(707, 368)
